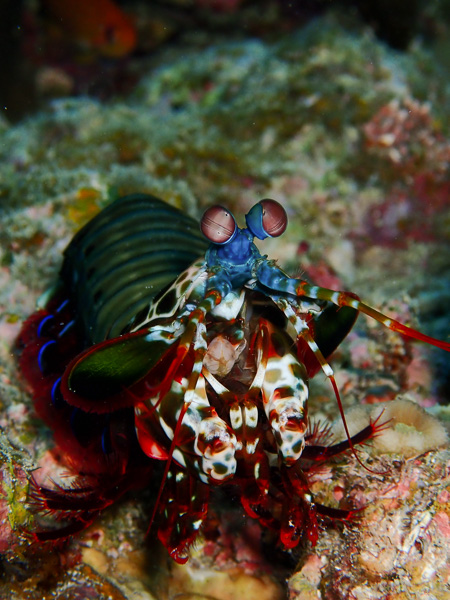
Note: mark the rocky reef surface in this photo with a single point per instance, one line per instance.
(352, 138)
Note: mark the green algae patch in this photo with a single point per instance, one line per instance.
(15, 471)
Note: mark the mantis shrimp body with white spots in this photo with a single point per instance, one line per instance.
(144, 352)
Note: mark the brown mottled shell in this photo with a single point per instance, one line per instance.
(218, 224)
(274, 217)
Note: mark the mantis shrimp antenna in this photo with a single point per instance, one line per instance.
(344, 299)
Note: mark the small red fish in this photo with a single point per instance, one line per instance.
(98, 24)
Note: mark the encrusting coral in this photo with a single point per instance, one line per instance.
(409, 429)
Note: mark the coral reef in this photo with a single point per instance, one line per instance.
(399, 549)
(351, 138)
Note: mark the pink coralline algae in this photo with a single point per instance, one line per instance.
(415, 213)
(403, 135)
(413, 161)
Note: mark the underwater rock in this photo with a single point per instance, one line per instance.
(227, 123)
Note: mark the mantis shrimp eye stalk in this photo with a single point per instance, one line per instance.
(267, 219)
(218, 225)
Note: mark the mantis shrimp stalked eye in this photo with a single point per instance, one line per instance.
(155, 346)
(218, 225)
(266, 219)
